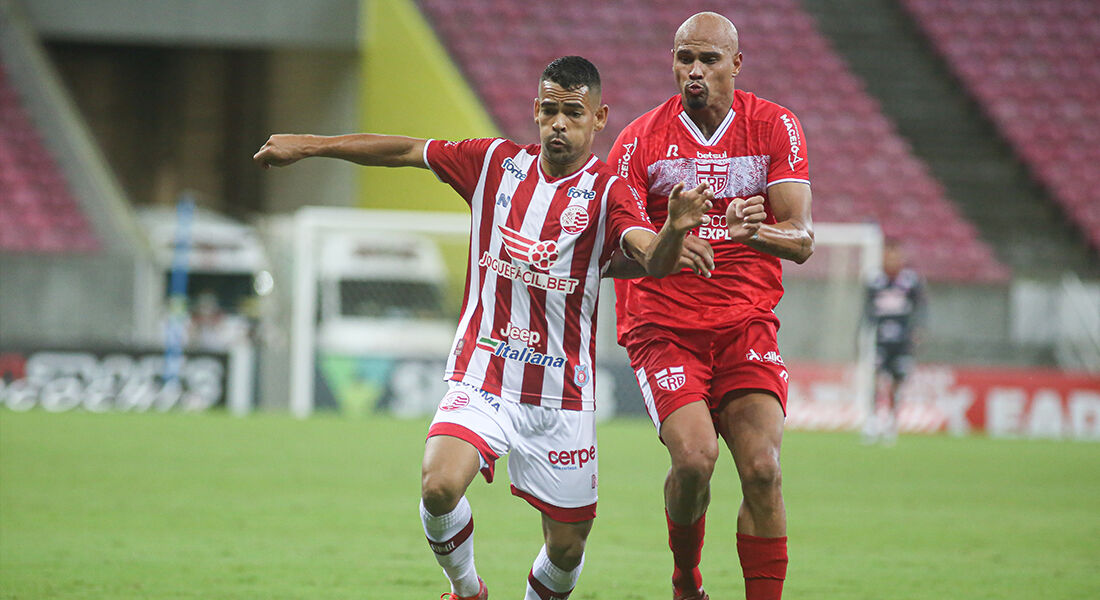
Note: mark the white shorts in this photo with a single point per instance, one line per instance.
(553, 463)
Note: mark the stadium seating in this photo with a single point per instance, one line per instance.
(862, 169)
(1034, 66)
(37, 210)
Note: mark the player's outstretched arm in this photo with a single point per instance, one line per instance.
(660, 254)
(790, 237)
(369, 149)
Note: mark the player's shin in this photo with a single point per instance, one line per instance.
(764, 563)
(686, 543)
(451, 538)
(547, 581)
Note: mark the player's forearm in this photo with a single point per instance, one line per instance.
(624, 267)
(368, 149)
(663, 255)
(789, 239)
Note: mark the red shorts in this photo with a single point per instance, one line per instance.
(678, 367)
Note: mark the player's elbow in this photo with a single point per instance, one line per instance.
(805, 246)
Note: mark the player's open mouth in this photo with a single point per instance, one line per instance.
(557, 143)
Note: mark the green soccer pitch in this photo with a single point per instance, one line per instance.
(208, 506)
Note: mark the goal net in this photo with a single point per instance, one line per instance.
(372, 298)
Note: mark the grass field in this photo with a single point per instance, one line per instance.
(208, 506)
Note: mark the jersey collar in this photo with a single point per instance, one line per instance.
(696, 133)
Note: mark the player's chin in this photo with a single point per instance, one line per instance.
(694, 102)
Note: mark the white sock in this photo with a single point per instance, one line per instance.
(451, 538)
(548, 582)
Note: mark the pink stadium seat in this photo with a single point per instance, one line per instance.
(862, 169)
(1034, 65)
(37, 211)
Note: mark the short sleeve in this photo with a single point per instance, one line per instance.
(458, 164)
(625, 211)
(626, 160)
(787, 148)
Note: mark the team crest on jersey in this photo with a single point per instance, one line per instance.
(455, 400)
(541, 254)
(574, 219)
(581, 375)
(713, 172)
(671, 379)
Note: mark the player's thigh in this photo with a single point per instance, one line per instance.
(751, 424)
(468, 433)
(689, 435)
(554, 464)
(673, 372)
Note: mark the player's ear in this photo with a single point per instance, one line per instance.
(736, 64)
(536, 109)
(601, 117)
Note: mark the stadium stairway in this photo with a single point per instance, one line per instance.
(948, 130)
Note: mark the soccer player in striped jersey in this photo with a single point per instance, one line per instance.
(704, 349)
(546, 220)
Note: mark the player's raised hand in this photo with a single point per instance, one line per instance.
(282, 150)
(744, 217)
(688, 210)
(697, 255)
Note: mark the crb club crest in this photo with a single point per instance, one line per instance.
(713, 172)
(454, 401)
(671, 379)
(541, 254)
(574, 220)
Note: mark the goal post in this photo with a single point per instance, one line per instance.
(823, 336)
(372, 298)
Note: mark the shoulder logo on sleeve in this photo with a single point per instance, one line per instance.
(624, 160)
(541, 254)
(671, 379)
(795, 139)
(574, 219)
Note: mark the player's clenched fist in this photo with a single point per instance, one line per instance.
(282, 150)
(744, 217)
(687, 210)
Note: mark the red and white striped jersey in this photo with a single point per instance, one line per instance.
(527, 331)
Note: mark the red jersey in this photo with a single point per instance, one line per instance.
(758, 145)
(527, 331)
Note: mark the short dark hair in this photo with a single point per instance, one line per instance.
(572, 72)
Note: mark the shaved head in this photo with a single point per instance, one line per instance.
(709, 27)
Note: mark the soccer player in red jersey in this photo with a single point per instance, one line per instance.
(546, 220)
(703, 346)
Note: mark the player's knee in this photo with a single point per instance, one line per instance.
(439, 493)
(761, 475)
(693, 463)
(565, 554)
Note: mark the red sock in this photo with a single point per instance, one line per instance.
(686, 543)
(764, 563)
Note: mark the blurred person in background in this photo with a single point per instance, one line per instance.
(704, 348)
(546, 220)
(895, 308)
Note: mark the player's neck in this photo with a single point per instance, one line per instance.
(710, 117)
(553, 171)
